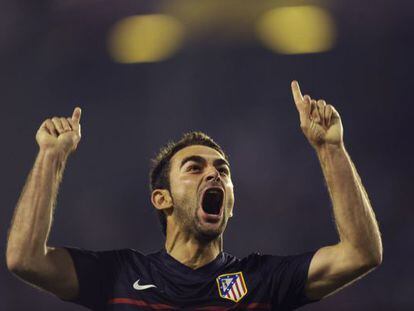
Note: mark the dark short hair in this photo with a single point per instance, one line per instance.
(160, 165)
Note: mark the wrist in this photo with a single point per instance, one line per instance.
(53, 154)
(329, 149)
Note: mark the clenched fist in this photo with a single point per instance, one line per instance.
(60, 135)
(320, 122)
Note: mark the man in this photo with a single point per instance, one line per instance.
(192, 191)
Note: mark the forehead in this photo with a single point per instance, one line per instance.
(208, 153)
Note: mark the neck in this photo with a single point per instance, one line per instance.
(190, 251)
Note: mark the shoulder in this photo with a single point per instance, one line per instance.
(113, 257)
(252, 262)
(268, 263)
(132, 256)
(257, 258)
(111, 253)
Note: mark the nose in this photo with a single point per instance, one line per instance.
(213, 175)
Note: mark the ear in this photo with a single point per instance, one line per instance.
(161, 199)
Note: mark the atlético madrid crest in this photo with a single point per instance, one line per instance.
(232, 286)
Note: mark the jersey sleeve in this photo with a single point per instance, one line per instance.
(287, 276)
(96, 272)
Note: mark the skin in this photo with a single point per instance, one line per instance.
(359, 249)
(191, 239)
(28, 256)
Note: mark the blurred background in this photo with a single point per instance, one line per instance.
(144, 72)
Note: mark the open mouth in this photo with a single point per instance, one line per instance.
(212, 201)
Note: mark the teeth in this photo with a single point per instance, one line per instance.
(214, 190)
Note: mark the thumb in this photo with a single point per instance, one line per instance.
(76, 114)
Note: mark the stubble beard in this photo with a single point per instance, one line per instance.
(207, 235)
(186, 211)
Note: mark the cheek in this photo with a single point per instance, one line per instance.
(231, 201)
(230, 196)
(183, 187)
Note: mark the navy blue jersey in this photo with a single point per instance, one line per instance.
(126, 279)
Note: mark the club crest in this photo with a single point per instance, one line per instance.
(232, 286)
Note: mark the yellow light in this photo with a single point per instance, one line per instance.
(145, 38)
(296, 30)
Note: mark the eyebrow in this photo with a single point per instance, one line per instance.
(201, 160)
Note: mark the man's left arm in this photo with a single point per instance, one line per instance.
(360, 248)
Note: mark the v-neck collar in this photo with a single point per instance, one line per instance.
(208, 268)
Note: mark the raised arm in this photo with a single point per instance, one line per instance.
(28, 256)
(359, 249)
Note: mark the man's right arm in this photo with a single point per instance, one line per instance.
(28, 256)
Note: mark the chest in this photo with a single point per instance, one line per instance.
(153, 288)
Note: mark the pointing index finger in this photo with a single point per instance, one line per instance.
(297, 95)
(76, 114)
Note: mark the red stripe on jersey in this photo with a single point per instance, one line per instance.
(250, 306)
(159, 306)
(257, 305)
(141, 303)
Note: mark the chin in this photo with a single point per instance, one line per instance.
(209, 232)
(207, 236)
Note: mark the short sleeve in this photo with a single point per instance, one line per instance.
(96, 272)
(288, 276)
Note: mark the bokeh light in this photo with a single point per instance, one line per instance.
(145, 38)
(296, 30)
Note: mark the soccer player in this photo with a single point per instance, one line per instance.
(192, 191)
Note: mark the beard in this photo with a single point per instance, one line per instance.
(205, 234)
(185, 210)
